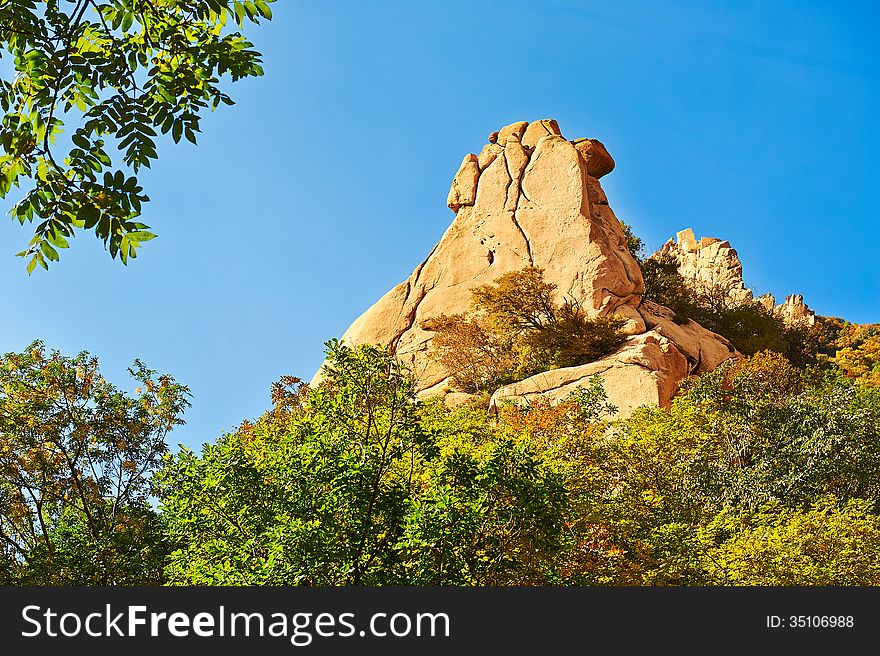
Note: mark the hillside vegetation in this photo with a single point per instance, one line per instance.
(761, 472)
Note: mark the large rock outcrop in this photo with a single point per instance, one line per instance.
(533, 198)
(710, 265)
(793, 312)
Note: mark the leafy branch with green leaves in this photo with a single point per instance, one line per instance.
(116, 74)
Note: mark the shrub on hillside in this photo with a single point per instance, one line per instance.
(517, 330)
(666, 286)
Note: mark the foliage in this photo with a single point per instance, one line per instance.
(119, 72)
(829, 544)
(76, 455)
(759, 473)
(480, 357)
(749, 452)
(518, 301)
(634, 244)
(313, 493)
(749, 327)
(859, 353)
(355, 483)
(666, 286)
(833, 342)
(483, 519)
(517, 330)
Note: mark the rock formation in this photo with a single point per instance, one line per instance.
(708, 264)
(645, 371)
(533, 198)
(793, 312)
(711, 264)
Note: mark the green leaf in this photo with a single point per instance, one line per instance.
(50, 252)
(58, 240)
(264, 9)
(87, 83)
(89, 215)
(238, 8)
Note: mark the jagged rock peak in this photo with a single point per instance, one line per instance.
(708, 264)
(793, 312)
(518, 141)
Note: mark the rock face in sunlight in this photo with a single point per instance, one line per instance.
(711, 265)
(708, 264)
(533, 198)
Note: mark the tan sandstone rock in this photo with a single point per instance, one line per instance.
(596, 157)
(646, 370)
(711, 264)
(531, 198)
(703, 349)
(538, 130)
(464, 185)
(795, 312)
(487, 155)
(517, 129)
(708, 265)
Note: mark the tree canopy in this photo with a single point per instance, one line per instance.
(76, 460)
(96, 82)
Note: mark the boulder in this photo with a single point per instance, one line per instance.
(517, 129)
(596, 157)
(464, 185)
(703, 349)
(646, 370)
(538, 130)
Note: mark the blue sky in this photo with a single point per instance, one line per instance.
(326, 184)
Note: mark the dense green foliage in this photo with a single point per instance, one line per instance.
(744, 466)
(116, 73)
(759, 473)
(76, 456)
(516, 330)
(356, 483)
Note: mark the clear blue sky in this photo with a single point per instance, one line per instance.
(326, 185)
